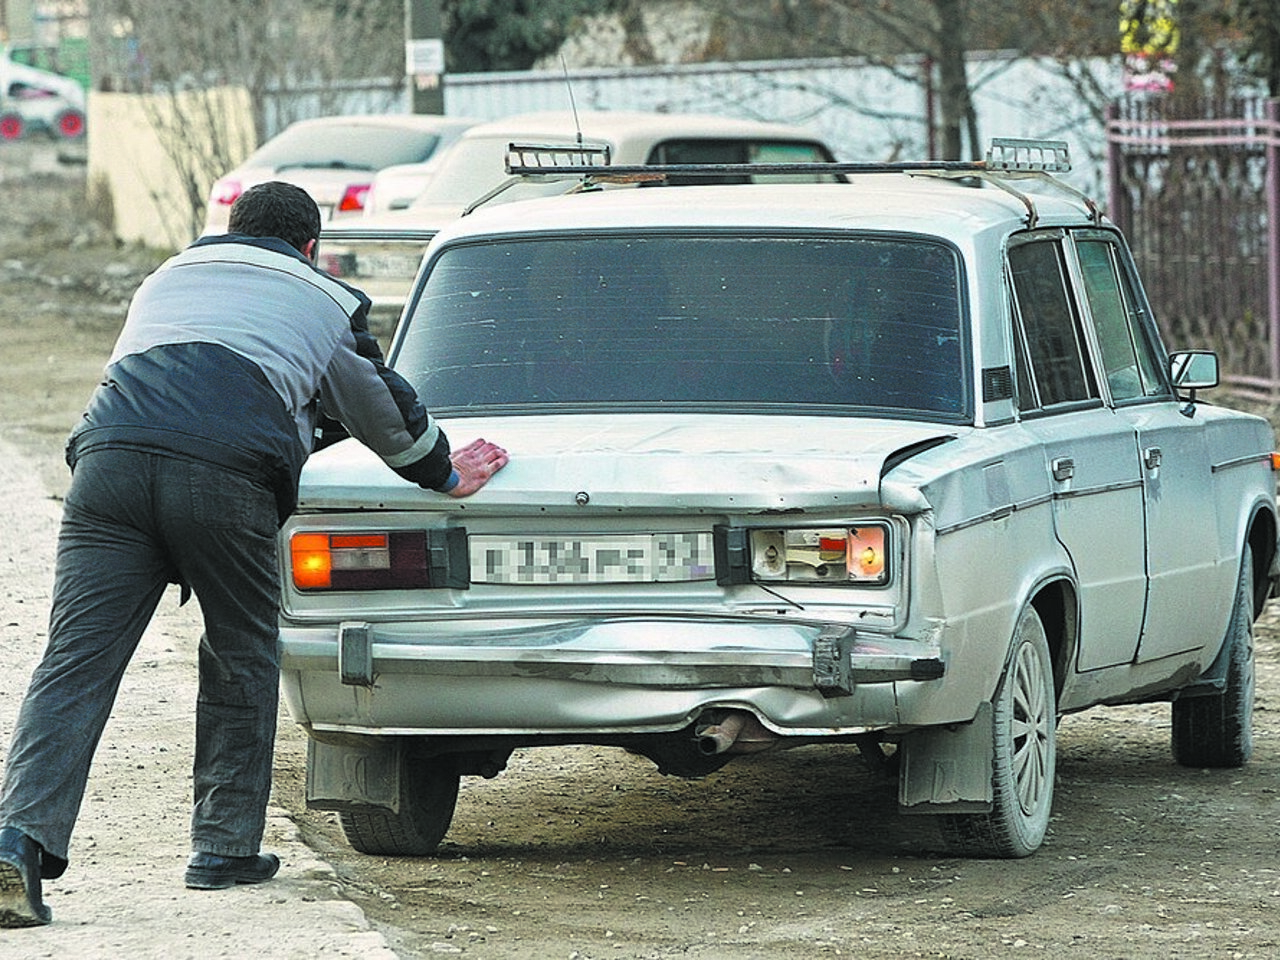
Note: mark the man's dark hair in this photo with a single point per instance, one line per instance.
(276, 209)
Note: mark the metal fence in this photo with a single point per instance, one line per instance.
(1198, 194)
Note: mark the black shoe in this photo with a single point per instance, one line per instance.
(208, 871)
(21, 901)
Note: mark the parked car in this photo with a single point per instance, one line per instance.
(897, 463)
(381, 253)
(36, 99)
(334, 159)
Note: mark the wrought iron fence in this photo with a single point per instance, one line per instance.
(1198, 195)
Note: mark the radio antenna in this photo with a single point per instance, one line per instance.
(564, 66)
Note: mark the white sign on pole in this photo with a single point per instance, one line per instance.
(424, 57)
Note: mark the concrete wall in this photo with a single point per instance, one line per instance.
(151, 177)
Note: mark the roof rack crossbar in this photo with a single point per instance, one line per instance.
(657, 171)
(1006, 155)
(1008, 159)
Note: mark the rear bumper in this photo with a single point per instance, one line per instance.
(615, 676)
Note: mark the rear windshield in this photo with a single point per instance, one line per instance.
(690, 322)
(356, 146)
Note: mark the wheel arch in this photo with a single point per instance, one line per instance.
(1261, 539)
(1057, 604)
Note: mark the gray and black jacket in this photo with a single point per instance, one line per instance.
(227, 352)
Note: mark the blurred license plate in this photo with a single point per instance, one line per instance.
(388, 264)
(633, 558)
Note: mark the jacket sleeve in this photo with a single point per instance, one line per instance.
(382, 410)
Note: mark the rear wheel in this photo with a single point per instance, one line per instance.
(69, 124)
(428, 795)
(1217, 730)
(1024, 757)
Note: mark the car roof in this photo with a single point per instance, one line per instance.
(624, 125)
(882, 202)
(420, 121)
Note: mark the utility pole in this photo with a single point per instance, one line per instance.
(424, 54)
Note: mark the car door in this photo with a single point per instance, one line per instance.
(1187, 572)
(1090, 453)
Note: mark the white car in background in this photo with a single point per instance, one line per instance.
(381, 252)
(31, 98)
(334, 159)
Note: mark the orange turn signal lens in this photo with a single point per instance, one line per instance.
(866, 552)
(1275, 461)
(312, 560)
(380, 560)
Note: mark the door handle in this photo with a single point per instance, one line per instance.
(1152, 457)
(1064, 468)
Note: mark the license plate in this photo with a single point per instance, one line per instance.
(384, 265)
(632, 558)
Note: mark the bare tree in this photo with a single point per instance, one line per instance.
(904, 35)
(291, 58)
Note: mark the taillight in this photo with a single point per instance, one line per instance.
(394, 560)
(854, 554)
(225, 192)
(850, 554)
(353, 198)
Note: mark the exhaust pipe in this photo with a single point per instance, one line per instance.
(739, 731)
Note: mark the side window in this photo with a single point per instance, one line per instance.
(1054, 348)
(1130, 363)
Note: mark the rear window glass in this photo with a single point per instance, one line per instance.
(353, 146)
(690, 321)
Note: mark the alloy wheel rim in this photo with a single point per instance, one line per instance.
(1032, 730)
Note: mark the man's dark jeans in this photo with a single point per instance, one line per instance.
(134, 522)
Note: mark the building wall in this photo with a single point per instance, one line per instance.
(143, 173)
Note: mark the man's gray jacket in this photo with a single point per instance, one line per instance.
(227, 352)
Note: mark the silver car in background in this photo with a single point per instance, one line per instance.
(334, 159)
(893, 462)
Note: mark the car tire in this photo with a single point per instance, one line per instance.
(69, 124)
(1024, 756)
(11, 126)
(1217, 730)
(428, 795)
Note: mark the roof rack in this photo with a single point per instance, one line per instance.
(1008, 158)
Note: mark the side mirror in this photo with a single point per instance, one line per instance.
(1194, 369)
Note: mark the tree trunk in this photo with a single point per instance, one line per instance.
(954, 107)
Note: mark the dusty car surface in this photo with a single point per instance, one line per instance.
(897, 462)
(381, 252)
(334, 159)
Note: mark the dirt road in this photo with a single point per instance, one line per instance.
(589, 853)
